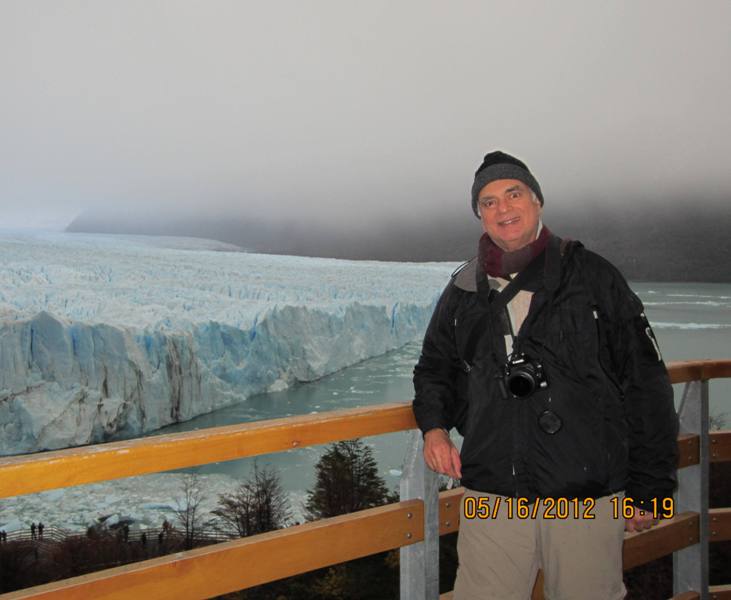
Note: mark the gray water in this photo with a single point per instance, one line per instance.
(379, 380)
(691, 321)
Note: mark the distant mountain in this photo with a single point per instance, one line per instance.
(646, 242)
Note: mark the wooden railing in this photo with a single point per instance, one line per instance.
(242, 563)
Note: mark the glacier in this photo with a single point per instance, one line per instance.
(105, 336)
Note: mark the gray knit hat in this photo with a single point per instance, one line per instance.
(498, 165)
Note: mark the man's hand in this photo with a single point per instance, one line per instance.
(441, 455)
(640, 521)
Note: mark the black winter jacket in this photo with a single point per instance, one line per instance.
(606, 382)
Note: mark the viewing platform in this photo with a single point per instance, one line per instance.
(414, 524)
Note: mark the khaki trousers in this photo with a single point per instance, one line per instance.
(503, 542)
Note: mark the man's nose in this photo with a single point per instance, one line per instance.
(502, 204)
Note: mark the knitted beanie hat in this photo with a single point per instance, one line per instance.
(498, 165)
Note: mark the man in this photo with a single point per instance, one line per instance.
(541, 356)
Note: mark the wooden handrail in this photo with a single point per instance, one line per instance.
(689, 449)
(694, 370)
(38, 472)
(210, 571)
(720, 443)
(719, 520)
(63, 468)
(720, 592)
(246, 562)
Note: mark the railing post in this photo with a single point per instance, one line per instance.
(420, 562)
(690, 565)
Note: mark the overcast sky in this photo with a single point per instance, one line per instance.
(374, 109)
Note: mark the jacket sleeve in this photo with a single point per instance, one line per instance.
(436, 371)
(652, 421)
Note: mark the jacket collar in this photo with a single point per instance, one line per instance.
(466, 276)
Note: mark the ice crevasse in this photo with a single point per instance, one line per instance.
(112, 336)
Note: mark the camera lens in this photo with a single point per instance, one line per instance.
(521, 383)
(522, 376)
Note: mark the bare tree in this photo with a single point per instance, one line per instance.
(188, 508)
(718, 421)
(259, 504)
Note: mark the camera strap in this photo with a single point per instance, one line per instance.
(496, 314)
(547, 264)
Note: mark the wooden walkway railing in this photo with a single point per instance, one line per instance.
(242, 563)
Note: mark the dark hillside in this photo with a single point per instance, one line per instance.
(646, 243)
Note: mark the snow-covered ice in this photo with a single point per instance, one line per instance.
(106, 336)
(144, 501)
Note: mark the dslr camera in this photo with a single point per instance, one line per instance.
(522, 375)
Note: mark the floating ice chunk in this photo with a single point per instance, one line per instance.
(156, 506)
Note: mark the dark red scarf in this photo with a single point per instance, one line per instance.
(499, 263)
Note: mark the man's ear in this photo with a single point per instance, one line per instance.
(538, 202)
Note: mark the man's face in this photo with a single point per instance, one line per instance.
(509, 213)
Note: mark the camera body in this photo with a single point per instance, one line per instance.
(522, 375)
